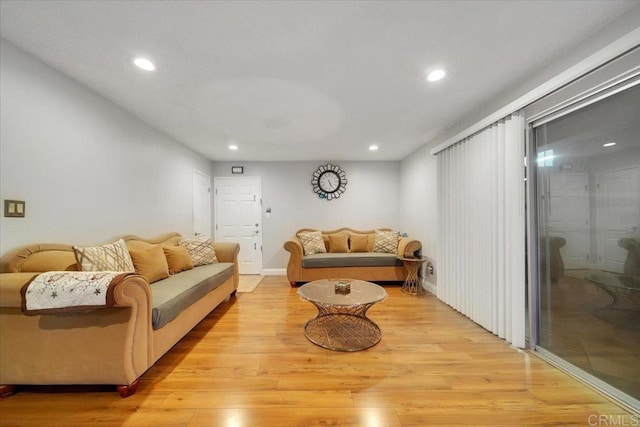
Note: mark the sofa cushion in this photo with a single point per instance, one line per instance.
(178, 259)
(386, 241)
(364, 259)
(175, 293)
(312, 242)
(110, 257)
(338, 242)
(200, 251)
(359, 243)
(150, 263)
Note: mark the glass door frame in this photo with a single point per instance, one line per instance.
(610, 87)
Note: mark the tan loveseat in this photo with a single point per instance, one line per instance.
(107, 346)
(367, 265)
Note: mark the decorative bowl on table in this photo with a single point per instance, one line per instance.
(342, 287)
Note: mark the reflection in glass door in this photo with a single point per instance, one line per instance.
(588, 214)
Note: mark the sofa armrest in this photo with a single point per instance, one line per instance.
(228, 252)
(554, 242)
(294, 246)
(409, 247)
(121, 338)
(630, 244)
(10, 285)
(294, 265)
(632, 261)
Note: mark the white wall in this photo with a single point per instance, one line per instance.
(372, 200)
(87, 169)
(419, 203)
(610, 33)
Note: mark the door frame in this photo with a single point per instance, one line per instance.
(216, 184)
(193, 200)
(603, 83)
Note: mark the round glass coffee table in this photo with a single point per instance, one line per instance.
(341, 323)
(624, 310)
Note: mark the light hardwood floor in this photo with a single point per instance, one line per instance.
(249, 364)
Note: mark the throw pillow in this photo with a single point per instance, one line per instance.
(339, 243)
(312, 242)
(359, 243)
(200, 251)
(178, 259)
(110, 257)
(386, 241)
(150, 263)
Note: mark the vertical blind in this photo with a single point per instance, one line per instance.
(481, 250)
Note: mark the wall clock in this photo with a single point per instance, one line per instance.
(329, 181)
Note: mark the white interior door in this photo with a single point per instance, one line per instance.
(569, 216)
(618, 214)
(238, 219)
(201, 205)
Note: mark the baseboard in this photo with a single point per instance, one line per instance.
(274, 271)
(430, 287)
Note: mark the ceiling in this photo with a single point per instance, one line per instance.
(311, 80)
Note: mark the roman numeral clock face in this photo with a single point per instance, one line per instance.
(329, 181)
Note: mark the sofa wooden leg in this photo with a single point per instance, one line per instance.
(128, 390)
(7, 390)
(233, 294)
(293, 284)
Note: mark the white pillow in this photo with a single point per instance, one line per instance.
(110, 257)
(200, 251)
(312, 242)
(386, 242)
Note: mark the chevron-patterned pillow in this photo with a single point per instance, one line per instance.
(200, 251)
(312, 242)
(111, 257)
(386, 242)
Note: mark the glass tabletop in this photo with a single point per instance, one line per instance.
(616, 281)
(323, 292)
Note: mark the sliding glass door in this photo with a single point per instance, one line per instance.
(586, 167)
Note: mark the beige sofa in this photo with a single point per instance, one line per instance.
(107, 346)
(368, 265)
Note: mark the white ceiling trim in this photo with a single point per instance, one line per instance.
(604, 55)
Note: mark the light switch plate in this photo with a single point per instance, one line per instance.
(14, 208)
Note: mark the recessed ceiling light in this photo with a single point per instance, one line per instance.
(373, 147)
(609, 144)
(144, 63)
(436, 75)
(233, 147)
